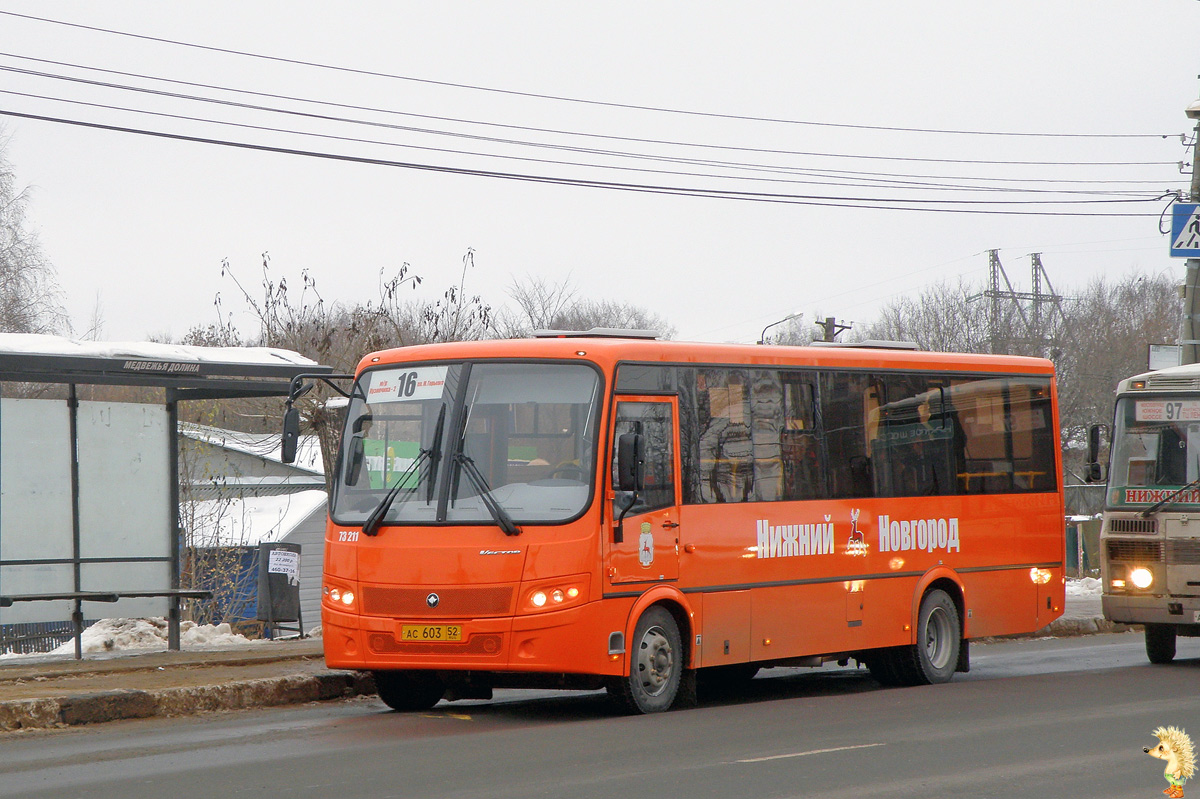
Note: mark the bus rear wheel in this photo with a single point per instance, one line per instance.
(1160, 643)
(409, 690)
(655, 665)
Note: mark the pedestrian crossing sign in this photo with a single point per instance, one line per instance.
(1185, 230)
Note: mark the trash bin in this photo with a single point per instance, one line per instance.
(279, 584)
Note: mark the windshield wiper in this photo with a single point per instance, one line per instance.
(1169, 497)
(433, 454)
(485, 494)
(371, 525)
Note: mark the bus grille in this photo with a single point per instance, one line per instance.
(1172, 382)
(1185, 552)
(1134, 525)
(1135, 551)
(486, 644)
(456, 603)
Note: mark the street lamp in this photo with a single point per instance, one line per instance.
(762, 339)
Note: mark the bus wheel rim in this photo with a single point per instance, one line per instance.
(655, 661)
(937, 638)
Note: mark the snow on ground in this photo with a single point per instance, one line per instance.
(112, 635)
(1084, 587)
(121, 635)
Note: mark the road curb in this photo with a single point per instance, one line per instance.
(94, 708)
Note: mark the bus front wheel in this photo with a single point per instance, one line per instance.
(409, 690)
(1160, 643)
(655, 664)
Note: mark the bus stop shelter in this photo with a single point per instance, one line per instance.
(89, 491)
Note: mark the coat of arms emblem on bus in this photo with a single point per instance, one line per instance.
(646, 546)
(857, 545)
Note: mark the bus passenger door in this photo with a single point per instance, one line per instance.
(643, 547)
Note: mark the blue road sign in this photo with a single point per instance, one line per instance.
(1185, 230)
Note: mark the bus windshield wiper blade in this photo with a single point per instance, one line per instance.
(435, 454)
(485, 494)
(371, 525)
(1169, 497)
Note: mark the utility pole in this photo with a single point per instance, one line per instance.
(830, 328)
(1191, 281)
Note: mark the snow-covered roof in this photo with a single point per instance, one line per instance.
(263, 445)
(249, 521)
(40, 344)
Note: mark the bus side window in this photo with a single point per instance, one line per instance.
(803, 466)
(725, 445)
(653, 420)
(844, 429)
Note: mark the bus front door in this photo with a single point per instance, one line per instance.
(643, 543)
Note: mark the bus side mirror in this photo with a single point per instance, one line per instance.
(355, 460)
(631, 462)
(291, 435)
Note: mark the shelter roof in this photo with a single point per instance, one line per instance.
(190, 372)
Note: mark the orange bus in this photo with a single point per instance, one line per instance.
(579, 510)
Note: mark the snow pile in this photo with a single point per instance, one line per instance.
(115, 635)
(1084, 587)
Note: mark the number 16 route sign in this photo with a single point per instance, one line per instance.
(1185, 230)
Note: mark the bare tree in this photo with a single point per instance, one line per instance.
(30, 298)
(1113, 322)
(543, 306)
(942, 318)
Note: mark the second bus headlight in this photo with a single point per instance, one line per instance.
(1141, 577)
(558, 594)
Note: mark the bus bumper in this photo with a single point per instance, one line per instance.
(566, 641)
(1151, 609)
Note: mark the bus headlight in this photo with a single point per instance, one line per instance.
(338, 596)
(1141, 577)
(552, 595)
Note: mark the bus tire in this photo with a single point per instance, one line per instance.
(934, 657)
(1160, 643)
(655, 665)
(409, 690)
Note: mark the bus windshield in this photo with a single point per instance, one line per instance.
(1156, 445)
(453, 438)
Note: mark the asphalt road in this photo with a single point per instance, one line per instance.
(1033, 719)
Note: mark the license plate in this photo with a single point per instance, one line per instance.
(430, 632)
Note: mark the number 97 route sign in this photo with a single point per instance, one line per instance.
(1185, 230)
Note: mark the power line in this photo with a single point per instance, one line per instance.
(684, 191)
(559, 98)
(554, 162)
(920, 185)
(460, 120)
(586, 150)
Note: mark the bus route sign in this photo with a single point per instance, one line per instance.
(1185, 230)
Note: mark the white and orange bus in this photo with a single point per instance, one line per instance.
(606, 509)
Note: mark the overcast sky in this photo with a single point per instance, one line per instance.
(138, 226)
